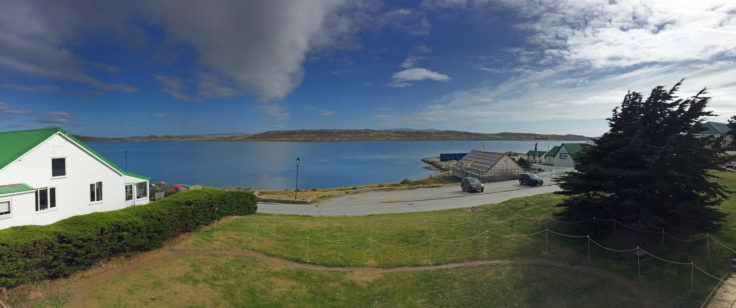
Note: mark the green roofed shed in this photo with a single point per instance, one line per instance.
(15, 188)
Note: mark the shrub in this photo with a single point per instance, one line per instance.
(405, 181)
(314, 189)
(32, 253)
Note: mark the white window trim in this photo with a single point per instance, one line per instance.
(10, 207)
(132, 187)
(147, 191)
(48, 200)
(65, 169)
(103, 195)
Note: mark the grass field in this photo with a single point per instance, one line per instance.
(202, 273)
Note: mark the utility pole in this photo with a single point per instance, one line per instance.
(296, 184)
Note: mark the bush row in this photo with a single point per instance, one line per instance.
(32, 253)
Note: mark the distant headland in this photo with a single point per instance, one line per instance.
(327, 135)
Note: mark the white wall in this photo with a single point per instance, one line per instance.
(563, 159)
(72, 190)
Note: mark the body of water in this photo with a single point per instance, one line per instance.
(272, 165)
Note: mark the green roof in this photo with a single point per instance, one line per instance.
(14, 188)
(574, 148)
(553, 151)
(17, 143)
(539, 153)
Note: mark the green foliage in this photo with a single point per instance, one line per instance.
(32, 253)
(405, 181)
(732, 132)
(650, 170)
(524, 163)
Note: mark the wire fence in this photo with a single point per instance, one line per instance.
(486, 234)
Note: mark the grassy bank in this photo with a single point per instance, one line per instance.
(512, 230)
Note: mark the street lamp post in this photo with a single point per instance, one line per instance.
(126, 160)
(296, 184)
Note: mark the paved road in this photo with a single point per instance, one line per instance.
(345, 206)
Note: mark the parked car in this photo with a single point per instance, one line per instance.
(471, 184)
(731, 164)
(530, 179)
(180, 188)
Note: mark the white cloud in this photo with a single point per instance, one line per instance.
(412, 22)
(175, 87)
(35, 36)
(58, 117)
(8, 112)
(210, 86)
(274, 110)
(629, 32)
(259, 45)
(401, 79)
(411, 61)
(322, 112)
(41, 88)
(569, 96)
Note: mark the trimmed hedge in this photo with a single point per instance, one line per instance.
(32, 253)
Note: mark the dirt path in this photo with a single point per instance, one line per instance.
(85, 287)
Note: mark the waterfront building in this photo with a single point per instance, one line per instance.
(47, 175)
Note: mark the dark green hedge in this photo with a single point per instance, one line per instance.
(32, 253)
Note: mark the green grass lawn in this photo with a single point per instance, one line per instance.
(491, 232)
(209, 281)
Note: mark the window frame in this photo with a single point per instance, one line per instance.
(137, 191)
(52, 168)
(132, 192)
(50, 199)
(10, 209)
(95, 192)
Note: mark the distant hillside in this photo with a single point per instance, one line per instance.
(347, 135)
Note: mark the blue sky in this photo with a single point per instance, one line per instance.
(131, 68)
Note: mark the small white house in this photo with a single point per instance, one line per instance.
(563, 155)
(47, 175)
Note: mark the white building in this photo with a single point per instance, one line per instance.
(563, 156)
(47, 175)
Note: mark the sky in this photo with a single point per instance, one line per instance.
(136, 68)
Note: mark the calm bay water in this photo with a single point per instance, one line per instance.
(272, 165)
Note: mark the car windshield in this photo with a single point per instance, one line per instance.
(473, 180)
(182, 189)
(533, 176)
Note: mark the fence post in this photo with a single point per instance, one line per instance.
(662, 237)
(546, 241)
(588, 237)
(307, 248)
(692, 270)
(707, 244)
(431, 243)
(370, 240)
(638, 264)
(614, 227)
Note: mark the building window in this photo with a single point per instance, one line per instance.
(4, 208)
(141, 190)
(128, 192)
(45, 198)
(95, 192)
(58, 167)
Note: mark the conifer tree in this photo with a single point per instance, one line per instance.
(732, 132)
(649, 170)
